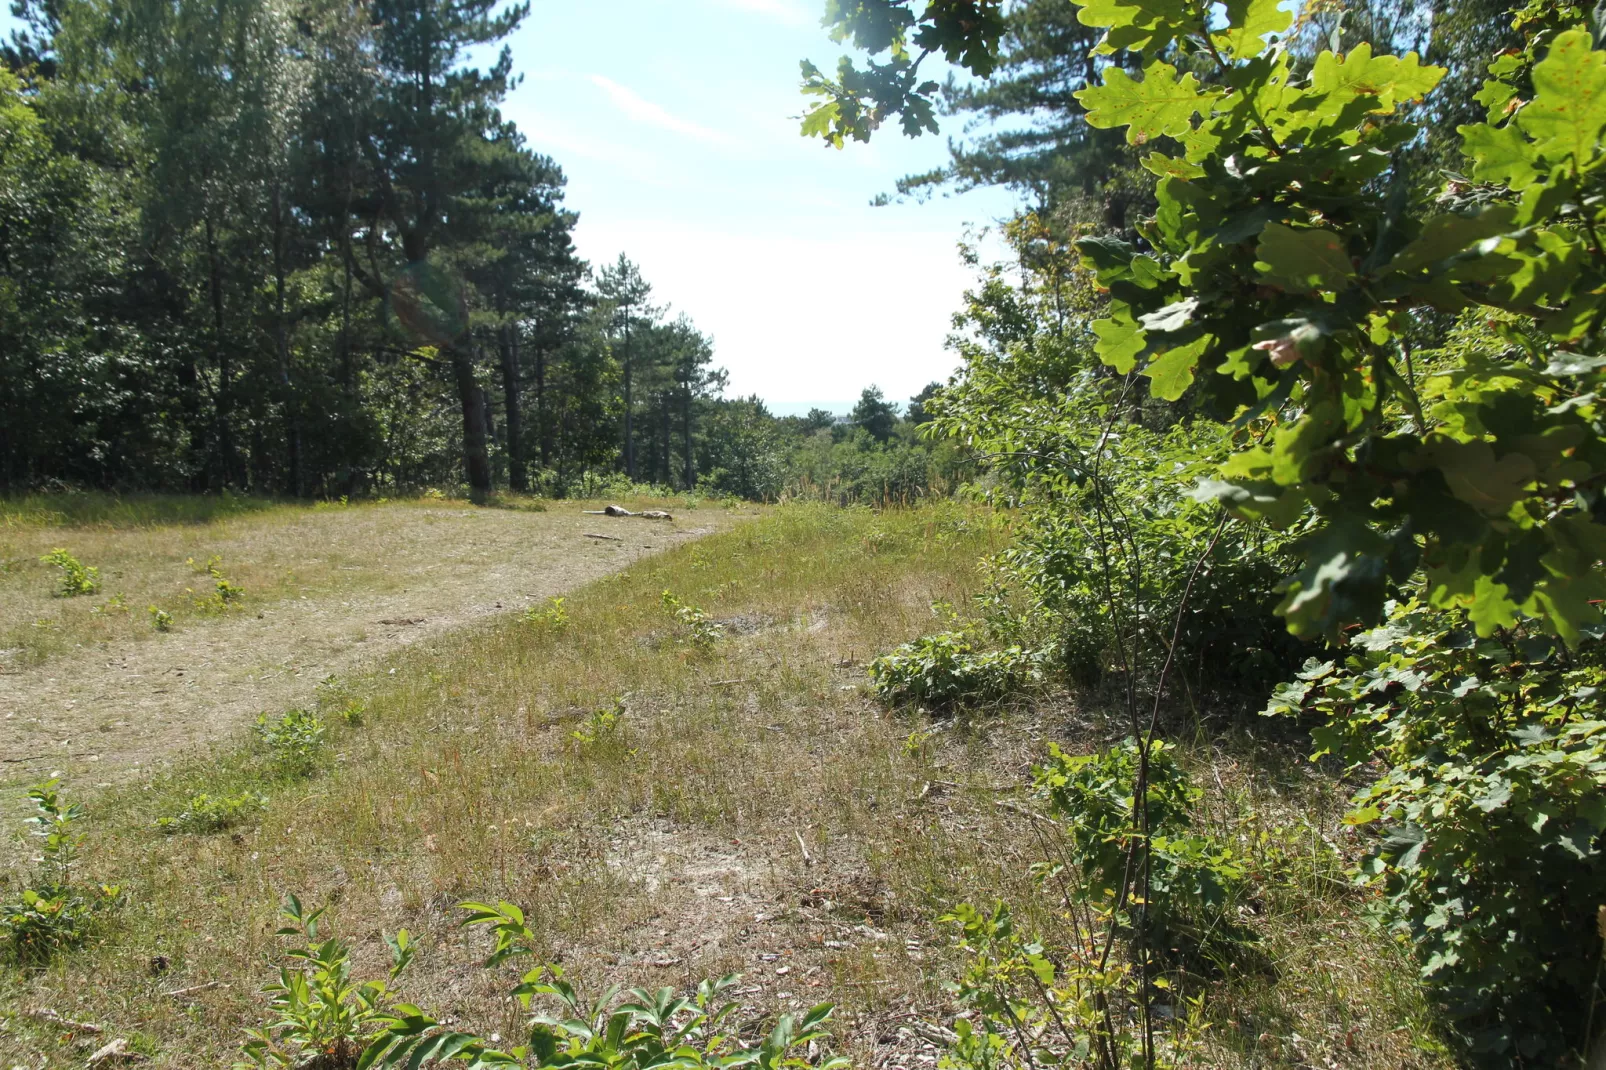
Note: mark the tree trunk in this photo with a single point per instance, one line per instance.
(630, 435)
(542, 433)
(691, 467)
(292, 428)
(666, 465)
(220, 354)
(476, 456)
(508, 341)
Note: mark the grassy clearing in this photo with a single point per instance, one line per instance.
(158, 550)
(668, 808)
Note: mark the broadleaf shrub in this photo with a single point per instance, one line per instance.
(1491, 810)
(947, 670)
(55, 912)
(1192, 877)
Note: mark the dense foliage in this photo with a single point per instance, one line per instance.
(1322, 380)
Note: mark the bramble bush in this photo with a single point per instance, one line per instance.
(947, 670)
(1490, 812)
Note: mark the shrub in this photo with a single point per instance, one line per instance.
(664, 1028)
(701, 632)
(1191, 877)
(945, 670)
(76, 578)
(1492, 809)
(293, 741)
(55, 913)
(553, 617)
(323, 1019)
(213, 813)
(161, 619)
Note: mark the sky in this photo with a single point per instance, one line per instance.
(676, 122)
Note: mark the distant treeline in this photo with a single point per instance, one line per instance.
(296, 249)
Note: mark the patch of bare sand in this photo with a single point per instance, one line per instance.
(110, 710)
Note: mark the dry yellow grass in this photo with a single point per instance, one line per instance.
(746, 807)
(88, 685)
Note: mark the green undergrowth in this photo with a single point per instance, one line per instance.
(572, 769)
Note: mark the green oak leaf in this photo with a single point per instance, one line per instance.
(1499, 154)
(1446, 235)
(1158, 104)
(1248, 22)
(1172, 371)
(1300, 261)
(1173, 317)
(1390, 79)
(1474, 476)
(1136, 25)
(1119, 343)
(1568, 111)
(1492, 607)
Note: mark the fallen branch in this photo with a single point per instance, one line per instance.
(45, 1014)
(801, 846)
(181, 993)
(594, 535)
(619, 510)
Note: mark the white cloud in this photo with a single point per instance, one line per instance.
(803, 318)
(643, 110)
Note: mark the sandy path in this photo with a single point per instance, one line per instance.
(111, 710)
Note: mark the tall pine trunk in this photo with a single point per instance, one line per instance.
(281, 329)
(691, 467)
(476, 453)
(513, 429)
(630, 434)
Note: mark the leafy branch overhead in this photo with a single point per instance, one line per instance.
(1279, 283)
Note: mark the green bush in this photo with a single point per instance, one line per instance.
(55, 913)
(1191, 877)
(76, 578)
(213, 813)
(1491, 812)
(702, 632)
(322, 1018)
(946, 670)
(293, 742)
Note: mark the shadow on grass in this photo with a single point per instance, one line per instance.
(80, 509)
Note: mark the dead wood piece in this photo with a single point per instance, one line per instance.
(619, 510)
(115, 1052)
(183, 993)
(609, 538)
(801, 846)
(403, 620)
(45, 1014)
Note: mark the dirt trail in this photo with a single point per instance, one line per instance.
(111, 710)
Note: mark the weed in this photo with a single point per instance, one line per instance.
(55, 914)
(702, 632)
(946, 670)
(664, 1028)
(553, 617)
(293, 742)
(323, 1018)
(213, 813)
(115, 604)
(161, 619)
(76, 577)
(600, 724)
